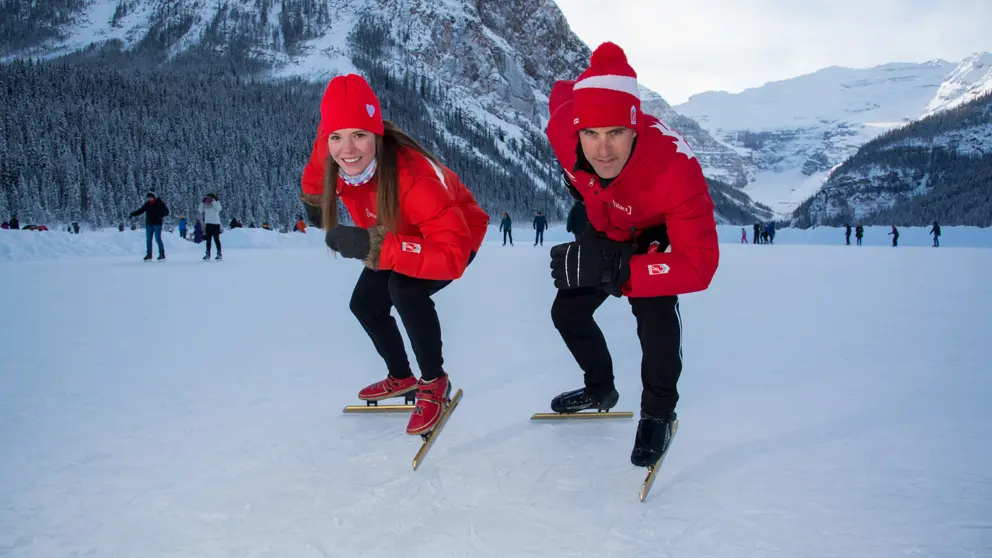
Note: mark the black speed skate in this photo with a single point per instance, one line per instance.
(653, 437)
(582, 399)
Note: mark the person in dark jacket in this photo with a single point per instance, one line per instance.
(577, 219)
(895, 236)
(14, 223)
(847, 233)
(155, 211)
(859, 233)
(540, 223)
(505, 225)
(757, 233)
(935, 231)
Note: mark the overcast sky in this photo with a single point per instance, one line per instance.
(683, 47)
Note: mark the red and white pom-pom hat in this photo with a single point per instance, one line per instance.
(606, 94)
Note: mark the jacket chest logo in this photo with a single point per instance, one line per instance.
(628, 209)
(658, 269)
(369, 214)
(411, 247)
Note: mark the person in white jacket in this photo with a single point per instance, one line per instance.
(209, 211)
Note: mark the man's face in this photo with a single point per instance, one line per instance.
(607, 149)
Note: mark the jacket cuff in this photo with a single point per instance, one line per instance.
(377, 235)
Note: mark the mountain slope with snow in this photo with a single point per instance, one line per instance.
(936, 169)
(792, 132)
(496, 61)
(969, 81)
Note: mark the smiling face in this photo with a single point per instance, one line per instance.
(607, 149)
(352, 149)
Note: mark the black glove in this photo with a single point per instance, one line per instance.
(592, 261)
(350, 242)
(313, 215)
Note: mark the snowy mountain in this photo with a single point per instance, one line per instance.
(970, 80)
(791, 133)
(494, 62)
(937, 168)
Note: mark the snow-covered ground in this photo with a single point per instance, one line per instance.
(835, 402)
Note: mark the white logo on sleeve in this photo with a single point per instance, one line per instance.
(411, 247)
(658, 269)
(681, 146)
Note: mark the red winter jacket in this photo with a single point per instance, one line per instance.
(440, 223)
(661, 184)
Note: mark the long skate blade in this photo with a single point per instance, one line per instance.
(653, 469)
(582, 415)
(379, 408)
(429, 437)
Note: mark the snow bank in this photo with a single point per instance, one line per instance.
(40, 245)
(35, 245)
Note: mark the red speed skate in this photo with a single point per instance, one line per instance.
(390, 387)
(432, 411)
(432, 398)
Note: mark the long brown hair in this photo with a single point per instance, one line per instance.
(387, 150)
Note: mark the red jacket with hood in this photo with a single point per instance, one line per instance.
(660, 198)
(440, 223)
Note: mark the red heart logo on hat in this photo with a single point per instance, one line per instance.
(370, 109)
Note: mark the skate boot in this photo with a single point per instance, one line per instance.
(432, 398)
(584, 398)
(206, 257)
(147, 257)
(652, 439)
(390, 387)
(219, 257)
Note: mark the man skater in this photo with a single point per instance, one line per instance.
(540, 223)
(651, 237)
(155, 212)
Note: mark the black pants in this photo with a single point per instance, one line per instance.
(375, 294)
(507, 233)
(212, 231)
(659, 329)
(539, 237)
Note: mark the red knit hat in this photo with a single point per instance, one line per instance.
(349, 102)
(606, 93)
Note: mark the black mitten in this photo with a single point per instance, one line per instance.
(350, 242)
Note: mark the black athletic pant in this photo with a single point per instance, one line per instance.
(213, 231)
(375, 294)
(659, 329)
(507, 233)
(539, 237)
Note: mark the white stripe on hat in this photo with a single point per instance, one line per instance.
(624, 84)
